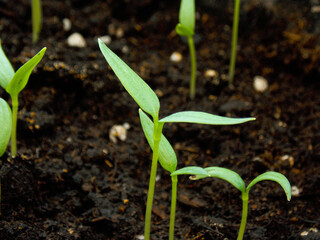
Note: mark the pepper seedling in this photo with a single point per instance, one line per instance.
(14, 83)
(234, 41)
(148, 101)
(234, 178)
(185, 27)
(6, 125)
(36, 12)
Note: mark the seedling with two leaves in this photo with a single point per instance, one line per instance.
(149, 103)
(234, 178)
(14, 82)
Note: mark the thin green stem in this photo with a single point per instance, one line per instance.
(155, 155)
(193, 67)
(245, 197)
(173, 206)
(234, 40)
(14, 99)
(36, 11)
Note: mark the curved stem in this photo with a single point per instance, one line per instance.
(245, 197)
(173, 206)
(14, 99)
(234, 40)
(155, 155)
(193, 67)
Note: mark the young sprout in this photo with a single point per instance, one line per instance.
(6, 124)
(234, 41)
(234, 178)
(148, 102)
(36, 11)
(13, 83)
(185, 27)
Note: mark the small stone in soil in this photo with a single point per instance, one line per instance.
(106, 39)
(66, 24)
(76, 40)
(176, 57)
(260, 84)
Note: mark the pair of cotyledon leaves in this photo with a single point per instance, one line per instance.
(187, 20)
(13, 82)
(149, 103)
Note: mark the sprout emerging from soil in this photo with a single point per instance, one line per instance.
(13, 83)
(36, 12)
(149, 103)
(185, 27)
(234, 178)
(6, 125)
(234, 41)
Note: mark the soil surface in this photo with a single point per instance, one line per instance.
(71, 181)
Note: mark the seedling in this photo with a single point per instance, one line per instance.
(13, 83)
(6, 125)
(234, 41)
(149, 103)
(185, 27)
(234, 178)
(36, 11)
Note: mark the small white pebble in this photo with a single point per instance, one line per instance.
(158, 178)
(118, 131)
(119, 33)
(210, 73)
(76, 40)
(304, 233)
(175, 57)
(295, 191)
(140, 237)
(106, 39)
(66, 24)
(315, 9)
(260, 84)
(287, 158)
(126, 125)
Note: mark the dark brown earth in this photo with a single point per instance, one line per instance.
(70, 181)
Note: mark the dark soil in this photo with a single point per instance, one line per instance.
(70, 181)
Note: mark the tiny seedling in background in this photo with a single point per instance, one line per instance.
(36, 12)
(234, 41)
(13, 83)
(234, 178)
(148, 101)
(185, 27)
(6, 125)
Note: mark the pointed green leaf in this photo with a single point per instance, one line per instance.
(136, 87)
(167, 156)
(6, 69)
(6, 124)
(227, 175)
(274, 176)
(187, 14)
(21, 77)
(203, 118)
(193, 170)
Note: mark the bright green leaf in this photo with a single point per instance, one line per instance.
(193, 170)
(36, 11)
(227, 175)
(203, 118)
(6, 124)
(167, 156)
(274, 176)
(183, 31)
(187, 14)
(136, 87)
(21, 77)
(6, 69)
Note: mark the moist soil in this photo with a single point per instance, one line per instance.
(71, 181)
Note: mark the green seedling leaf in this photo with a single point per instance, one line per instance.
(167, 156)
(136, 87)
(186, 17)
(193, 170)
(36, 12)
(203, 118)
(6, 69)
(6, 124)
(21, 77)
(274, 176)
(227, 175)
